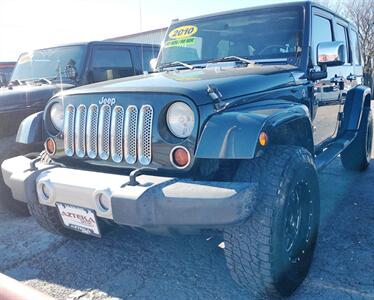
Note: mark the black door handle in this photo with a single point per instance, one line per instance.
(351, 77)
(337, 79)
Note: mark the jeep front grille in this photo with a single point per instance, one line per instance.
(118, 134)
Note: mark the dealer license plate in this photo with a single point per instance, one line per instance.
(79, 219)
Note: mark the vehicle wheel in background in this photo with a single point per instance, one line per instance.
(357, 156)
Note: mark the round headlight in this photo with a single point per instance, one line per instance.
(57, 116)
(180, 119)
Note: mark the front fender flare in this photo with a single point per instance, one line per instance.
(31, 130)
(235, 134)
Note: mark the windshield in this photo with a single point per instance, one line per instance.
(266, 34)
(47, 63)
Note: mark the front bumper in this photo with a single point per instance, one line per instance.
(156, 201)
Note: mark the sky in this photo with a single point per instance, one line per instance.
(31, 24)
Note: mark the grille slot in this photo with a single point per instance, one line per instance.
(69, 130)
(119, 134)
(145, 134)
(80, 131)
(104, 132)
(91, 134)
(131, 122)
(116, 132)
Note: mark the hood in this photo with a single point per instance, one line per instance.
(30, 95)
(231, 82)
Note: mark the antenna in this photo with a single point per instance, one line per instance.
(140, 30)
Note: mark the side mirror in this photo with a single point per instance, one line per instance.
(153, 63)
(331, 54)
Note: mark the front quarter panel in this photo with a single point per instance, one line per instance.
(234, 134)
(31, 130)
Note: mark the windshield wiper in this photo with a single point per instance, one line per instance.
(44, 80)
(233, 58)
(176, 64)
(16, 82)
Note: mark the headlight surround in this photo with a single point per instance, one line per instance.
(57, 116)
(180, 119)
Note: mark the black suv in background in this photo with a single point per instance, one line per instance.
(40, 74)
(6, 69)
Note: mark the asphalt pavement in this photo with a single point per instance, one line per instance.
(127, 264)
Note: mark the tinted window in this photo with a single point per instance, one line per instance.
(147, 55)
(321, 32)
(49, 63)
(6, 73)
(259, 34)
(356, 56)
(110, 64)
(341, 36)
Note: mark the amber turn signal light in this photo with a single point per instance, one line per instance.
(180, 157)
(263, 139)
(50, 146)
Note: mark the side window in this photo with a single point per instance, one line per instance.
(147, 55)
(107, 64)
(321, 32)
(356, 55)
(341, 36)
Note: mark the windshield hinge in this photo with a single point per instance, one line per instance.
(216, 96)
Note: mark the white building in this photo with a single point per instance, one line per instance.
(146, 37)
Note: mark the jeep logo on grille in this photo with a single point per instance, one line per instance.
(108, 101)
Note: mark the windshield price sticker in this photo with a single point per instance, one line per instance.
(180, 43)
(183, 32)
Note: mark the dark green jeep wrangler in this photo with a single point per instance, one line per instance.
(229, 133)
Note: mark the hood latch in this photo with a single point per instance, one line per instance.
(216, 96)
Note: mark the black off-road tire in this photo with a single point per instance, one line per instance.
(357, 156)
(256, 251)
(48, 218)
(16, 207)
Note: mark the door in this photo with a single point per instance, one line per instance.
(356, 59)
(327, 91)
(346, 73)
(110, 62)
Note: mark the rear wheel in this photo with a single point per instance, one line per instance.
(270, 254)
(357, 156)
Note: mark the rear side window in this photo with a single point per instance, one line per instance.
(341, 36)
(110, 64)
(321, 32)
(356, 55)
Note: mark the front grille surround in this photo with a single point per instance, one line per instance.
(120, 134)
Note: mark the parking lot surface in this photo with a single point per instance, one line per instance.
(127, 264)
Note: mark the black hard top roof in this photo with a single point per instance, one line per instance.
(105, 43)
(275, 5)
